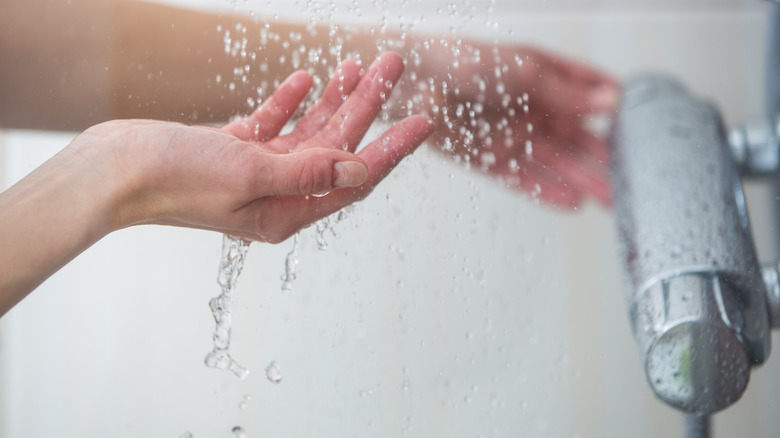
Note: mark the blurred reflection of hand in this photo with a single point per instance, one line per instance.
(519, 114)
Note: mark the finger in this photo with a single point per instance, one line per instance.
(572, 70)
(348, 126)
(540, 185)
(575, 172)
(283, 216)
(582, 96)
(384, 153)
(567, 99)
(267, 121)
(343, 82)
(568, 87)
(314, 171)
(572, 133)
(576, 70)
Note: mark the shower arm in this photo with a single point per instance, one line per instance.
(756, 144)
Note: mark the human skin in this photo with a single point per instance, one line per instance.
(70, 65)
(244, 179)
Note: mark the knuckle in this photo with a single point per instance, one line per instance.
(256, 179)
(305, 179)
(314, 178)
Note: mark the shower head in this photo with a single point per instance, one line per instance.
(695, 291)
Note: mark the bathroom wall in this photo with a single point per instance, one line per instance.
(445, 306)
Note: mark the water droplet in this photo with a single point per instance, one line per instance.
(273, 373)
(488, 159)
(246, 399)
(535, 195)
(238, 431)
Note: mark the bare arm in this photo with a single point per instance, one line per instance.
(70, 65)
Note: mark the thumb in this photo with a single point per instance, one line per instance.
(315, 171)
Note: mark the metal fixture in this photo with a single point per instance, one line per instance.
(701, 306)
(695, 293)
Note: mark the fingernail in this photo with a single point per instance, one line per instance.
(605, 98)
(349, 174)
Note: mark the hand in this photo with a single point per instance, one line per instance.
(244, 179)
(247, 180)
(518, 113)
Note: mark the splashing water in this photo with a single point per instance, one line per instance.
(328, 224)
(290, 266)
(234, 251)
(322, 227)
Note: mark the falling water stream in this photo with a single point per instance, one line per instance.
(234, 251)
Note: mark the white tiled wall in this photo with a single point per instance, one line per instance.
(446, 307)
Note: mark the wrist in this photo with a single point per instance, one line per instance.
(49, 217)
(102, 178)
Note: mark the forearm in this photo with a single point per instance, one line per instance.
(53, 61)
(71, 66)
(68, 66)
(196, 67)
(48, 218)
